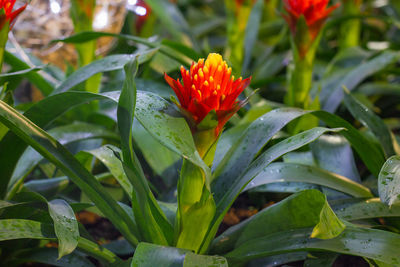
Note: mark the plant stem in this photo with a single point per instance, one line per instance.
(300, 83)
(350, 29)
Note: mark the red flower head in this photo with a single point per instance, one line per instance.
(143, 12)
(315, 13)
(7, 14)
(208, 86)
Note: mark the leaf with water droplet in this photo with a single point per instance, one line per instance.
(65, 226)
(389, 181)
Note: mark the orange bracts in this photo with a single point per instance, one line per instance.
(315, 13)
(7, 14)
(208, 86)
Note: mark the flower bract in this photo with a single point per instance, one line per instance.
(208, 86)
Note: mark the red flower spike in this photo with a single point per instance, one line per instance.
(315, 13)
(208, 86)
(8, 13)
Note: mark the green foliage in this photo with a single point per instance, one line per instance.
(326, 155)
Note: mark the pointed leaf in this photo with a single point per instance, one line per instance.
(65, 226)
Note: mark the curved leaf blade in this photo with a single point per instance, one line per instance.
(374, 244)
(273, 153)
(61, 157)
(149, 255)
(290, 172)
(308, 208)
(109, 63)
(389, 181)
(369, 119)
(65, 226)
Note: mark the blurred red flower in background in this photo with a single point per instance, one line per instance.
(315, 13)
(7, 14)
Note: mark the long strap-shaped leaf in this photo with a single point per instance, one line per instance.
(258, 134)
(369, 119)
(52, 150)
(273, 153)
(11, 229)
(150, 111)
(83, 37)
(291, 172)
(373, 244)
(148, 214)
(41, 114)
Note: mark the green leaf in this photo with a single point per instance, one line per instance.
(251, 141)
(373, 244)
(166, 124)
(83, 37)
(170, 17)
(149, 255)
(367, 151)
(182, 49)
(109, 63)
(321, 259)
(20, 229)
(236, 186)
(150, 112)
(61, 157)
(162, 160)
(35, 78)
(42, 114)
(389, 181)
(77, 131)
(16, 229)
(106, 154)
(148, 215)
(308, 208)
(65, 226)
(354, 77)
(291, 172)
(252, 28)
(21, 72)
(259, 132)
(333, 153)
(359, 209)
(369, 119)
(194, 260)
(49, 256)
(379, 88)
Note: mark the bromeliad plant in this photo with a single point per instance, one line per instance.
(207, 99)
(205, 148)
(306, 20)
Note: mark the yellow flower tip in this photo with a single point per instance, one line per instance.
(206, 83)
(199, 92)
(193, 87)
(211, 79)
(218, 87)
(187, 73)
(205, 70)
(195, 77)
(201, 74)
(215, 93)
(223, 97)
(182, 68)
(214, 60)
